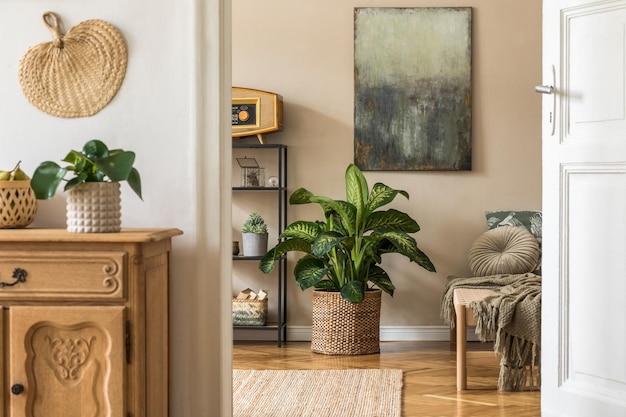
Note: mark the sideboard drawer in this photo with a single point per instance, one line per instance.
(67, 274)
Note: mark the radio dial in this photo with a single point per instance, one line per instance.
(244, 115)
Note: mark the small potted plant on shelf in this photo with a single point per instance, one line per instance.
(342, 256)
(93, 191)
(254, 235)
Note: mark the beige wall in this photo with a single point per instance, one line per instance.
(304, 51)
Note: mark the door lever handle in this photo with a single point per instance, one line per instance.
(550, 90)
(544, 89)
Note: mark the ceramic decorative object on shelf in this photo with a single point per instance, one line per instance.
(272, 181)
(94, 207)
(95, 164)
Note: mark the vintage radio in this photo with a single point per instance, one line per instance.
(255, 112)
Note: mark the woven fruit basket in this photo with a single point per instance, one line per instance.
(18, 204)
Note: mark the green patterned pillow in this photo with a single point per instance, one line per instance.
(529, 220)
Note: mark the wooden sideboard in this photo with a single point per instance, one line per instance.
(85, 323)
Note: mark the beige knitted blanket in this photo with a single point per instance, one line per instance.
(511, 317)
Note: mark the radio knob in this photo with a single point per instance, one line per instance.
(244, 115)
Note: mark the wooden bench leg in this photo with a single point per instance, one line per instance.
(461, 348)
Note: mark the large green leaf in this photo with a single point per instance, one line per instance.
(309, 271)
(268, 261)
(328, 284)
(325, 242)
(354, 291)
(340, 215)
(357, 192)
(134, 180)
(392, 219)
(422, 260)
(334, 222)
(382, 195)
(95, 149)
(75, 158)
(346, 211)
(300, 196)
(118, 166)
(407, 246)
(46, 179)
(304, 230)
(379, 277)
(266, 264)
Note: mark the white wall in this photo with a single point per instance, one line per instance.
(304, 51)
(170, 110)
(150, 114)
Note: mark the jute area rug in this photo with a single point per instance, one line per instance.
(317, 393)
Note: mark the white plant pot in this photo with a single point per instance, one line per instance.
(94, 207)
(254, 244)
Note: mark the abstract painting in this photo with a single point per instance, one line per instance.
(412, 79)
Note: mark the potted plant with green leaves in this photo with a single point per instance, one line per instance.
(93, 189)
(254, 235)
(341, 260)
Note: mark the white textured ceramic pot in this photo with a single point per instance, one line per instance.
(94, 207)
(254, 244)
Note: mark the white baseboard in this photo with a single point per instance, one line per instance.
(387, 334)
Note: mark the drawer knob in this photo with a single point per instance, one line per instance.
(17, 389)
(19, 275)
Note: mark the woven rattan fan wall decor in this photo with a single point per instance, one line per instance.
(76, 74)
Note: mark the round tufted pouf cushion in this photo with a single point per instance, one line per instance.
(504, 250)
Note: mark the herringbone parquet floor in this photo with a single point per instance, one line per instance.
(429, 375)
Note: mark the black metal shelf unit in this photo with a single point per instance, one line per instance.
(280, 326)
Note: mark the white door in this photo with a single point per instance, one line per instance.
(584, 204)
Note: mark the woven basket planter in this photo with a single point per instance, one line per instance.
(343, 328)
(18, 204)
(94, 207)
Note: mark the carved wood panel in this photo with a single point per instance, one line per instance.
(69, 359)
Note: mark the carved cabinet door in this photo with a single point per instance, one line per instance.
(65, 361)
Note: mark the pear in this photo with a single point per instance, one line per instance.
(19, 175)
(16, 174)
